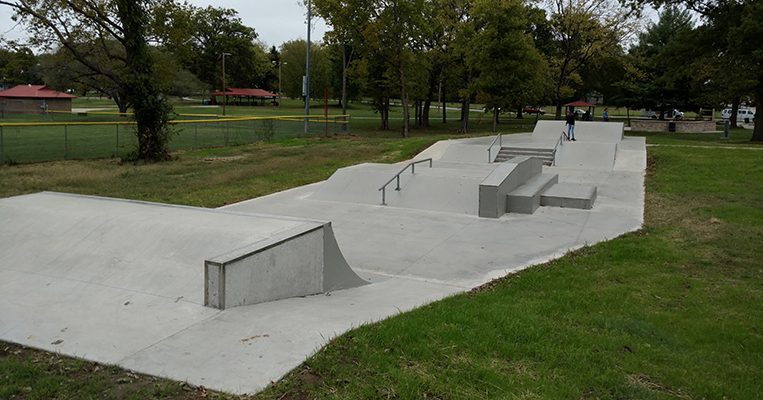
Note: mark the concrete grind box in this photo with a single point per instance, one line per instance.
(290, 264)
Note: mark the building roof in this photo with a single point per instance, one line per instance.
(579, 103)
(245, 93)
(35, 92)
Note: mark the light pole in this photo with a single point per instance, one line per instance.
(225, 96)
(280, 90)
(307, 68)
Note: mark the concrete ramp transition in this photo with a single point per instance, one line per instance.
(215, 258)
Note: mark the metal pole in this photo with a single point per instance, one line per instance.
(384, 196)
(307, 67)
(398, 182)
(117, 150)
(2, 148)
(280, 89)
(225, 96)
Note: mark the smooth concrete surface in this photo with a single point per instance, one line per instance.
(146, 321)
(570, 195)
(504, 179)
(527, 198)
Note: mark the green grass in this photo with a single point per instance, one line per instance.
(671, 311)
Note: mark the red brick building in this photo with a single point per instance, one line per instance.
(33, 99)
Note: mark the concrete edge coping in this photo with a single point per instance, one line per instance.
(264, 244)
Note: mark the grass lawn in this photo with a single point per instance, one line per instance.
(671, 311)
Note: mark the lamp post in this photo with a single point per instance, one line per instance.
(225, 96)
(307, 68)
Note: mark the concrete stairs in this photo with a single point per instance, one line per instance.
(569, 195)
(506, 153)
(527, 198)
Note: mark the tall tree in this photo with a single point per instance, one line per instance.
(583, 30)
(72, 22)
(509, 66)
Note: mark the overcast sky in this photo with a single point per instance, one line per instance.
(275, 21)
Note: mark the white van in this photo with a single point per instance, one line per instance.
(745, 115)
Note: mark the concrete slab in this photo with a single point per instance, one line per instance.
(411, 255)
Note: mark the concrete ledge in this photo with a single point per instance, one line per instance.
(569, 195)
(649, 125)
(526, 198)
(503, 180)
(297, 262)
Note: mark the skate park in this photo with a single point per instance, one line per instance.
(131, 283)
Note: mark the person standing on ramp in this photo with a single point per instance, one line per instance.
(570, 126)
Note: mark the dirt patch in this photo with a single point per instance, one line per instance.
(649, 383)
(222, 159)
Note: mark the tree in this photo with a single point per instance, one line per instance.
(199, 36)
(71, 23)
(735, 39)
(665, 78)
(509, 67)
(582, 30)
(19, 65)
(293, 55)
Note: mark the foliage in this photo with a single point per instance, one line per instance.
(18, 65)
(292, 57)
(199, 36)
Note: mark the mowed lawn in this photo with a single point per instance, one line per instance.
(672, 311)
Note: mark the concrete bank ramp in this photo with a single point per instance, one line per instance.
(447, 187)
(195, 255)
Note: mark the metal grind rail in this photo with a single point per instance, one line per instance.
(559, 142)
(498, 139)
(412, 165)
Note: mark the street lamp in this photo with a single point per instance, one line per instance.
(225, 96)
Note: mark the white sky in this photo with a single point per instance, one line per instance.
(275, 21)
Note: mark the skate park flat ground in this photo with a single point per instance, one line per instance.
(428, 243)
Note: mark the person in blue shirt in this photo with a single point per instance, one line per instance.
(605, 115)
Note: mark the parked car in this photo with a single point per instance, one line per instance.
(533, 110)
(669, 114)
(745, 115)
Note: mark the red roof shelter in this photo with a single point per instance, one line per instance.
(33, 99)
(240, 95)
(581, 104)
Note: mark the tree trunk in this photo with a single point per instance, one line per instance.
(404, 101)
(344, 81)
(425, 113)
(496, 110)
(151, 108)
(465, 114)
(757, 132)
(519, 113)
(734, 111)
(558, 109)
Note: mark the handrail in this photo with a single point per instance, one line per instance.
(559, 142)
(498, 139)
(383, 189)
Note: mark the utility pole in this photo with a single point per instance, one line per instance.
(225, 96)
(280, 90)
(307, 68)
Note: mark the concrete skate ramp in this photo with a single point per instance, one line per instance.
(600, 132)
(448, 187)
(586, 155)
(160, 250)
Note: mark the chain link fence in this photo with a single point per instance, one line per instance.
(24, 142)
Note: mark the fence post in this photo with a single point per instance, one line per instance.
(195, 136)
(2, 148)
(66, 142)
(116, 153)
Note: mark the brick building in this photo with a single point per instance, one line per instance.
(33, 99)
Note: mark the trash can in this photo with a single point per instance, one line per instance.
(671, 126)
